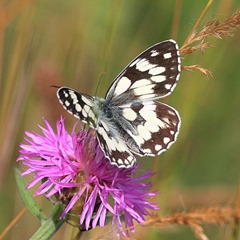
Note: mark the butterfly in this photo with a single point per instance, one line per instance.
(128, 121)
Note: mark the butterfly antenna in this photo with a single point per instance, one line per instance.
(54, 86)
(98, 83)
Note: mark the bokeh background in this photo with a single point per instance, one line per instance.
(83, 44)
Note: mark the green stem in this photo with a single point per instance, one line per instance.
(51, 225)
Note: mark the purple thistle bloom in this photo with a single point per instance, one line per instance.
(73, 168)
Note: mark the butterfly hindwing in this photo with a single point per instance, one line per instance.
(156, 126)
(151, 75)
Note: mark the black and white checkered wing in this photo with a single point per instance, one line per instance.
(154, 127)
(151, 75)
(77, 104)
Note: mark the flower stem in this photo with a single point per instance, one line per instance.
(51, 225)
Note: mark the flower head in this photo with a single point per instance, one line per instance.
(73, 168)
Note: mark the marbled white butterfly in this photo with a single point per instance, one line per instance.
(128, 121)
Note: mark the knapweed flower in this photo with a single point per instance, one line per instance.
(73, 168)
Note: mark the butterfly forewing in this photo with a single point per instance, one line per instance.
(151, 75)
(77, 104)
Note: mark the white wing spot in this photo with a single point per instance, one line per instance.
(75, 101)
(86, 108)
(129, 114)
(154, 53)
(147, 150)
(171, 112)
(159, 78)
(120, 161)
(67, 103)
(158, 147)
(78, 107)
(157, 70)
(150, 105)
(172, 132)
(168, 86)
(141, 83)
(166, 140)
(92, 115)
(148, 113)
(65, 94)
(71, 92)
(151, 126)
(167, 55)
(84, 113)
(144, 133)
(123, 84)
(144, 90)
(126, 162)
(74, 97)
(144, 65)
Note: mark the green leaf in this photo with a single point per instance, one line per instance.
(27, 198)
(51, 225)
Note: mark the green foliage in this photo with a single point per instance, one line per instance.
(27, 198)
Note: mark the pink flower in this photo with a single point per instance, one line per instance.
(73, 168)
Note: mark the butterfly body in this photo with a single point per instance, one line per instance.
(128, 121)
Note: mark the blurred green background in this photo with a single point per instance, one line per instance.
(79, 43)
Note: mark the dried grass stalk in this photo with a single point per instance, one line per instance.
(212, 29)
(197, 40)
(195, 218)
(198, 68)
